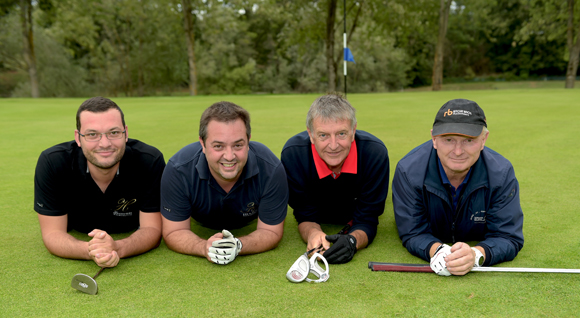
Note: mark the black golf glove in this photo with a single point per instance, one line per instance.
(342, 249)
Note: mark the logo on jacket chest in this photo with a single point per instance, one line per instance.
(478, 217)
(249, 210)
(122, 207)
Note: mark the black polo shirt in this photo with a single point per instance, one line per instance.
(189, 190)
(63, 186)
(358, 197)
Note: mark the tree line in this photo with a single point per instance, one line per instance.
(53, 48)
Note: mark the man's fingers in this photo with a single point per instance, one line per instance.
(107, 259)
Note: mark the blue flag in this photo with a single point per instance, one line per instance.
(348, 55)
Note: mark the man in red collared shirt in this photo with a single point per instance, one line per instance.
(336, 175)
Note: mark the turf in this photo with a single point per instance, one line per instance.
(535, 129)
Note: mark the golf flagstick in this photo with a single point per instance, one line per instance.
(425, 268)
(85, 283)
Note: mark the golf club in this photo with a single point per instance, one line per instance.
(425, 268)
(86, 283)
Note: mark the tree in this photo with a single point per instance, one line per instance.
(439, 49)
(573, 48)
(28, 48)
(190, 37)
(329, 45)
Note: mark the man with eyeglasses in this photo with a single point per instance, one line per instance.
(101, 183)
(224, 181)
(452, 189)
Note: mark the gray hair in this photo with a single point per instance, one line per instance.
(331, 107)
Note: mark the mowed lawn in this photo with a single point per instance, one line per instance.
(537, 130)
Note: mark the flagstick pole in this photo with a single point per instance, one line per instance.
(344, 42)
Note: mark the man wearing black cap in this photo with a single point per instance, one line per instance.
(453, 189)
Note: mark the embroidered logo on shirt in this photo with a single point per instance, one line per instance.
(478, 217)
(123, 205)
(250, 210)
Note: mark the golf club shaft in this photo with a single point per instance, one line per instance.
(425, 268)
(100, 270)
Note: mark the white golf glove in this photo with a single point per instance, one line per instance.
(224, 251)
(438, 264)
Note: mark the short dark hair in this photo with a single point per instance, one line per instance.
(98, 105)
(331, 107)
(223, 112)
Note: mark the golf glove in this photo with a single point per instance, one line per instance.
(342, 249)
(224, 251)
(438, 264)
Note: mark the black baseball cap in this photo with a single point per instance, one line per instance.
(460, 117)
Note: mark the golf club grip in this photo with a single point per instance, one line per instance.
(400, 267)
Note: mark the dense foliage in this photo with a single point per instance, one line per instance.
(139, 48)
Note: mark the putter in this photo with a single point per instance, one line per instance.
(86, 283)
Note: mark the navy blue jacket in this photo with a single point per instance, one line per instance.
(358, 197)
(488, 210)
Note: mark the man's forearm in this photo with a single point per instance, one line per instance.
(306, 228)
(65, 245)
(186, 242)
(141, 241)
(259, 241)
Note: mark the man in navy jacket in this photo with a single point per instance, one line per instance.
(453, 189)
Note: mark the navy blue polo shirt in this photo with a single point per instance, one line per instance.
(63, 186)
(358, 197)
(189, 190)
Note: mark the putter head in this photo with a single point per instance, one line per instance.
(84, 283)
(299, 270)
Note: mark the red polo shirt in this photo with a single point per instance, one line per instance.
(349, 165)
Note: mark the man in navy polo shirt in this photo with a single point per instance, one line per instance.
(224, 182)
(100, 183)
(454, 189)
(336, 175)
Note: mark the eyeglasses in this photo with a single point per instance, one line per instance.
(111, 135)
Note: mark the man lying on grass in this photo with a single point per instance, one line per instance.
(454, 189)
(224, 182)
(336, 175)
(100, 183)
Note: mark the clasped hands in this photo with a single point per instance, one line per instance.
(103, 249)
(458, 259)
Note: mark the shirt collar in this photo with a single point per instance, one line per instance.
(349, 165)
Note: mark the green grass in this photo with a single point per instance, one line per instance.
(495, 85)
(536, 129)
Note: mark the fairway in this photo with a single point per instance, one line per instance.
(536, 130)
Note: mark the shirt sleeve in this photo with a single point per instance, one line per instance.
(152, 185)
(175, 194)
(274, 202)
(410, 216)
(48, 191)
(504, 237)
(373, 193)
(296, 172)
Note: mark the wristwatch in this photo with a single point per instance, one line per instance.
(479, 259)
